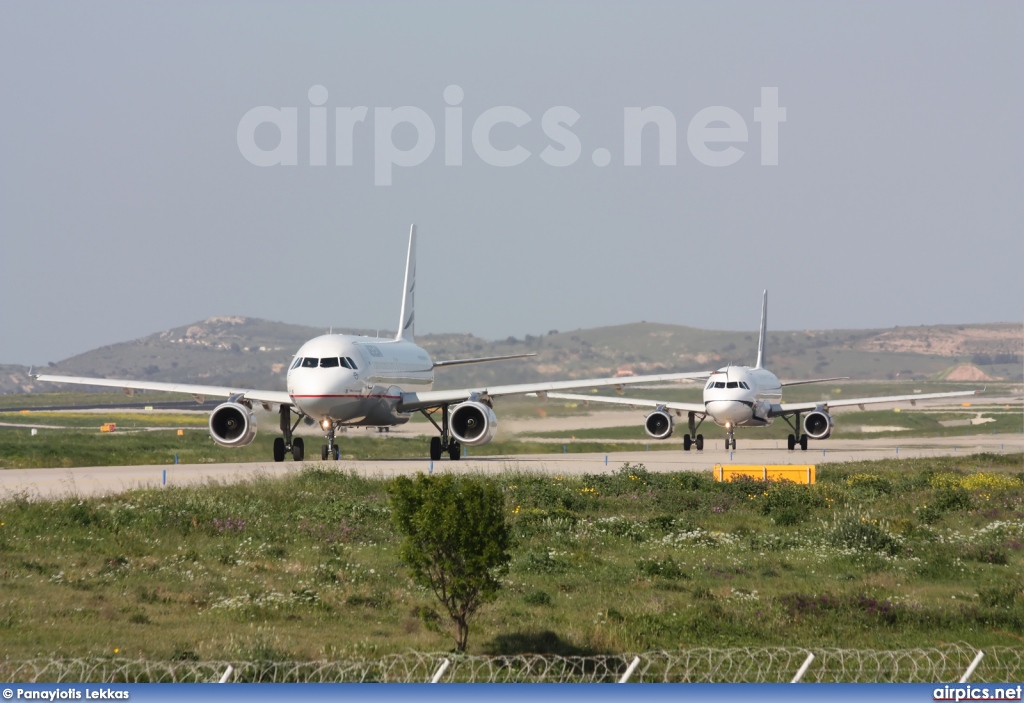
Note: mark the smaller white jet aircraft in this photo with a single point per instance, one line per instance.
(749, 396)
(341, 380)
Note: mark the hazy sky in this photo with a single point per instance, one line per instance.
(127, 204)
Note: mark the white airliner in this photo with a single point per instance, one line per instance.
(749, 396)
(342, 380)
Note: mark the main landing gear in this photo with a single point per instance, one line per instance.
(285, 444)
(444, 443)
(797, 438)
(692, 439)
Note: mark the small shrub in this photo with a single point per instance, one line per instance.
(667, 568)
(786, 503)
(537, 598)
(986, 553)
(863, 534)
(870, 484)
(999, 595)
(952, 499)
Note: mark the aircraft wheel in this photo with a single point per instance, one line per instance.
(687, 442)
(298, 449)
(803, 442)
(279, 449)
(454, 450)
(337, 452)
(791, 442)
(323, 452)
(699, 442)
(435, 449)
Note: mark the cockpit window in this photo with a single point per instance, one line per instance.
(329, 362)
(743, 384)
(351, 363)
(719, 384)
(310, 363)
(732, 384)
(298, 360)
(344, 362)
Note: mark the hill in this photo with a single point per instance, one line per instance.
(253, 352)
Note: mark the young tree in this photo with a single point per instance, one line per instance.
(456, 541)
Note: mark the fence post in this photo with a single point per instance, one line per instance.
(803, 668)
(629, 671)
(227, 674)
(440, 671)
(974, 665)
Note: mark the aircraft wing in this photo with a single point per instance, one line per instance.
(412, 401)
(480, 360)
(196, 391)
(631, 402)
(815, 380)
(790, 408)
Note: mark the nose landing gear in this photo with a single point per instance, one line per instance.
(329, 450)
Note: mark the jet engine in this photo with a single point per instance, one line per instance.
(472, 423)
(818, 424)
(659, 424)
(232, 425)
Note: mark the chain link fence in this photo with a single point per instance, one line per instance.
(700, 665)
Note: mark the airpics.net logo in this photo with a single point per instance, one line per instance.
(711, 134)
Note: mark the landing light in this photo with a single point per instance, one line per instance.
(728, 425)
(326, 424)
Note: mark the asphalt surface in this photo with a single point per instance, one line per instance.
(104, 480)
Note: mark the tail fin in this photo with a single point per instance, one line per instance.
(764, 328)
(407, 320)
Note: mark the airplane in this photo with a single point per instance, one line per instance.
(749, 396)
(341, 380)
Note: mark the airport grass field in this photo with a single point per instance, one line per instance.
(887, 554)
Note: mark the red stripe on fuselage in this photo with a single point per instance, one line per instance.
(346, 396)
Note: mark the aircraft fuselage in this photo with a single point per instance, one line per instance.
(357, 380)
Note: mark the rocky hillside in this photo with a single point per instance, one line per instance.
(253, 352)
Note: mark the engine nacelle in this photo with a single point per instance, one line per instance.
(472, 423)
(659, 424)
(818, 424)
(232, 425)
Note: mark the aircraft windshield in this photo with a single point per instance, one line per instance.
(329, 362)
(310, 363)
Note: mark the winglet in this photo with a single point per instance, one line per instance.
(407, 320)
(32, 374)
(764, 327)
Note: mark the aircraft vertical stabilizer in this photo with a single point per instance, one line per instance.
(407, 320)
(764, 329)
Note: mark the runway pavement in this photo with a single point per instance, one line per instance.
(104, 480)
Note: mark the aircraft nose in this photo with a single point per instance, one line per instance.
(731, 411)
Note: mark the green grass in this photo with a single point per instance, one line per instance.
(889, 554)
(124, 420)
(67, 448)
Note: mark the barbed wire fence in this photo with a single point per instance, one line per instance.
(699, 665)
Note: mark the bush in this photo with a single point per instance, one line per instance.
(786, 503)
(456, 541)
(537, 598)
(863, 534)
(870, 484)
(660, 567)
